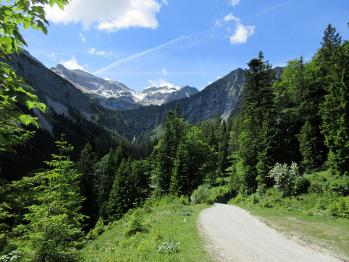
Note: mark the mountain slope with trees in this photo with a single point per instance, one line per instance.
(278, 140)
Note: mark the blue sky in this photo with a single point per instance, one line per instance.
(184, 42)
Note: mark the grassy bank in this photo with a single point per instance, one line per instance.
(329, 233)
(163, 230)
(319, 216)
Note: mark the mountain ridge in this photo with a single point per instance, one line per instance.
(113, 94)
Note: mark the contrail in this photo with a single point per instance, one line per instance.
(168, 44)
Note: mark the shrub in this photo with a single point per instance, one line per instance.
(200, 195)
(340, 186)
(339, 208)
(168, 247)
(97, 230)
(301, 185)
(220, 194)
(285, 178)
(11, 257)
(135, 223)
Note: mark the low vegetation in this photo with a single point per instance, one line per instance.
(162, 230)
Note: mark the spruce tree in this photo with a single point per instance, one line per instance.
(257, 148)
(54, 229)
(122, 195)
(180, 176)
(165, 153)
(223, 150)
(335, 111)
(308, 146)
(85, 165)
(106, 179)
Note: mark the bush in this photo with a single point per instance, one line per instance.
(169, 247)
(200, 195)
(135, 223)
(287, 179)
(97, 230)
(339, 208)
(301, 185)
(340, 186)
(220, 194)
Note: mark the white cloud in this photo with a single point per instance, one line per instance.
(72, 64)
(165, 2)
(94, 51)
(164, 71)
(241, 34)
(107, 15)
(230, 17)
(234, 2)
(82, 38)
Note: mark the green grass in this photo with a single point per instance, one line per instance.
(166, 223)
(330, 233)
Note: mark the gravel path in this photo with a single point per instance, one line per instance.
(232, 234)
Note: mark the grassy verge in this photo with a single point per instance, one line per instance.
(163, 230)
(329, 233)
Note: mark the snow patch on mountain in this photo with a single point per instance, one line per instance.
(116, 95)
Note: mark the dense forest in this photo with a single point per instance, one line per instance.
(285, 128)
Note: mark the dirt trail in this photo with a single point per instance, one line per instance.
(232, 234)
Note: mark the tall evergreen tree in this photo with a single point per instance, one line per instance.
(85, 165)
(223, 149)
(256, 136)
(298, 98)
(107, 177)
(165, 153)
(335, 109)
(307, 146)
(180, 176)
(55, 221)
(122, 195)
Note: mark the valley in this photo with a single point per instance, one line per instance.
(123, 140)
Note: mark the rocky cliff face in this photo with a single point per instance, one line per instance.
(220, 99)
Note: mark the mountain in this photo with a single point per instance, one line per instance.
(69, 110)
(79, 97)
(117, 96)
(219, 99)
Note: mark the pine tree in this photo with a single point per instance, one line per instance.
(257, 148)
(180, 177)
(106, 179)
(55, 221)
(165, 153)
(335, 109)
(223, 150)
(88, 181)
(122, 195)
(307, 146)
(190, 166)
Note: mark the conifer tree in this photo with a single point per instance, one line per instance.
(55, 221)
(106, 179)
(180, 177)
(307, 147)
(165, 153)
(122, 195)
(223, 149)
(85, 165)
(190, 165)
(256, 137)
(335, 109)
